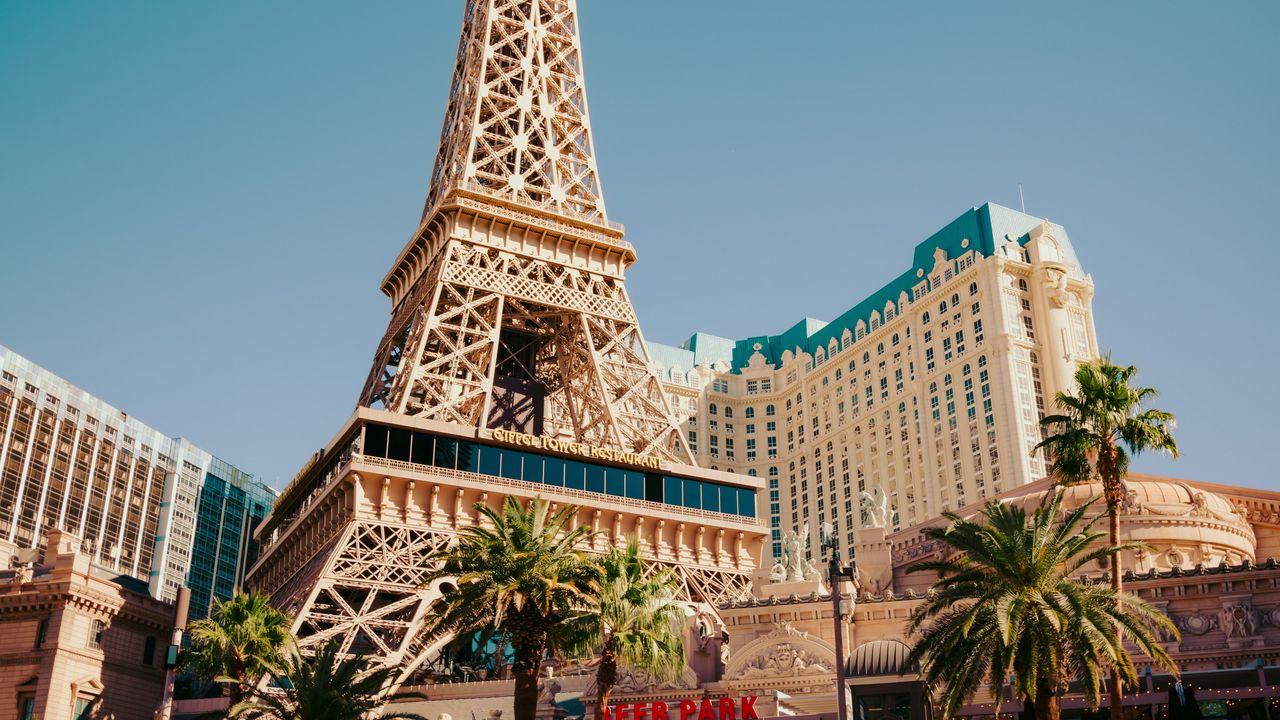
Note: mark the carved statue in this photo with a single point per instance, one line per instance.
(876, 512)
(793, 554)
(784, 661)
(1238, 620)
(631, 680)
(811, 571)
(1059, 292)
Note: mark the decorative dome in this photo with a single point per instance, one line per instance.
(879, 657)
(1186, 525)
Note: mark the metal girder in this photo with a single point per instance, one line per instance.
(438, 359)
(516, 125)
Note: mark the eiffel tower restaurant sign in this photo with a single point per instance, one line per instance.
(583, 450)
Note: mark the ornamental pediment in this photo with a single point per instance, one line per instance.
(785, 653)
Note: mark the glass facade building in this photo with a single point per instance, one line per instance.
(231, 504)
(129, 492)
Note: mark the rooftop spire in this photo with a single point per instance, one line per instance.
(517, 127)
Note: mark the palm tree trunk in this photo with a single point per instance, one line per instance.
(525, 669)
(1048, 706)
(1113, 490)
(606, 678)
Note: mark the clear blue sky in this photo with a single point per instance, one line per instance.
(197, 199)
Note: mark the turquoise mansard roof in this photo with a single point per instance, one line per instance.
(985, 228)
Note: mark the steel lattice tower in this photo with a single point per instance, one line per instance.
(512, 365)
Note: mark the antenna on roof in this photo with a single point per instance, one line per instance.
(1022, 200)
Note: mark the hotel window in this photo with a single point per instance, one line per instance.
(751, 427)
(720, 386)
(728, 411)
(95, 634)
(713, 409)
(766, 385)
(752, 387)
(42, 632)
(1027, 328)
(771, 426)
(750, 412)
(769, 411)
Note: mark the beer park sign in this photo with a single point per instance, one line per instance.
(744, 708)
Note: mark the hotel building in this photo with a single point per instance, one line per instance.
(931, 389)
(144, 504)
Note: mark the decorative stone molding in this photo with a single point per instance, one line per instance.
(1197, 623)
(784, 652)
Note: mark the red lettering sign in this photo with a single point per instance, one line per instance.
(707, 709)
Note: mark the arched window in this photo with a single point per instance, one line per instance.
(773, 471)
(769, 411)
(946, 379)
(788, 404)
(973, 288)
(880, 349)
(925, 319)
(751, 472)
(750, 412)
(982, 361)
(866, 358)
(712, 409)
(967, 369)
(955, 300)
(728, 411)
(895, 340)
(1022, 284)
(942, 307)
(933, 387)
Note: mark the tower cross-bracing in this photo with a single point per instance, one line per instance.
(512, 364)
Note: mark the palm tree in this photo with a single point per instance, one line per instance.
(518, 573)
(631, 621)
(1005, 604)
(1099, 427)
(243, 639)
(327, 687)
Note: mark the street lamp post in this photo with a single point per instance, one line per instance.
(835, 573)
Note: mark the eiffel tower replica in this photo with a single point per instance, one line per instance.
(512, 364)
